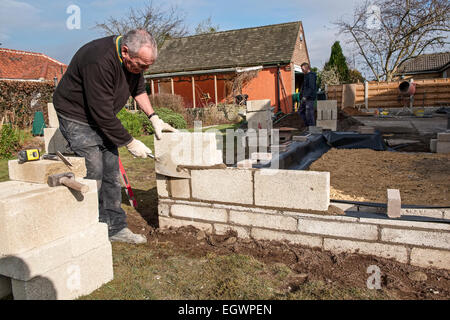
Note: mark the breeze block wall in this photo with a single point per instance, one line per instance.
(291, 205)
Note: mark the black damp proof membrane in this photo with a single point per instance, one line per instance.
(302, 154)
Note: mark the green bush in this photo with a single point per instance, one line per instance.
(9, 141)
(138, 124)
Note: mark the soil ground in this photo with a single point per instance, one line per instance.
(364, 175)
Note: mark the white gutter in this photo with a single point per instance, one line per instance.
(23, 80)
(239, 70)
(188, 73)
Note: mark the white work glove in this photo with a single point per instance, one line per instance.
(138, 149)
(160, 126)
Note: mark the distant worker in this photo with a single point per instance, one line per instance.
(308, 94)
(101, 77)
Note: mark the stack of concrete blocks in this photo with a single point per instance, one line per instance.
(327, 114)
(54, 140)
(291, 205)
(259, 118)
(441, 144)
(52, 245)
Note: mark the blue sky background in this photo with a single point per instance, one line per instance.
(40, 25)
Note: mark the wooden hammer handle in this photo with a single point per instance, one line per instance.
(73, 184)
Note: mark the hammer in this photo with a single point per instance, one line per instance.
(67, 179)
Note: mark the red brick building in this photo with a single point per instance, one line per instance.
(203, 68)
(29, 66)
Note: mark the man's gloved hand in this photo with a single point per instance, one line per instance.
(160, 126)
(303, 99)
(138, 149)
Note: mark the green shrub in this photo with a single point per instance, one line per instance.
(9, 141)
(138, 124)
(132, 122)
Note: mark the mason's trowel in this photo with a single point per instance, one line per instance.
(165, 166)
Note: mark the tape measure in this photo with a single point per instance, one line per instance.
(28, 155)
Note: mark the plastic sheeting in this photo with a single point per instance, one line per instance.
(354, 140)
(302, 154)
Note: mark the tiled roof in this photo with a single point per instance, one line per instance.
(234, 48)
(426, 62)
(16, 64)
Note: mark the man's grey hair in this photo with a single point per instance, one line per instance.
(136, 39)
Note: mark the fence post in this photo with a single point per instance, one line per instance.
(366, 94)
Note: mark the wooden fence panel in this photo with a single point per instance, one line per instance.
(429, 92)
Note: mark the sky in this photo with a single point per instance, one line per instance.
(41, 25)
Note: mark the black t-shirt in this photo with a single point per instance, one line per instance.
(95, 87)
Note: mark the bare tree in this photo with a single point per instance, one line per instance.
(206, 26)
(387, 33)
(162, 23)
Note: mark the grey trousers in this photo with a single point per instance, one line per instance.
(306, 112)
(102, 164)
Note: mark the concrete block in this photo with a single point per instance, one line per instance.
(443, 147)
(295, 189)
(327, 110)
(165, 223)
(5, 287)
(222, 229)
(261, 156)
(163, 209)
(434, 239)
(300, 138)
(431, 213)
(278, 148)
(258, 105)
(55, 141)
(259, 120)
(79, 277)
(394, 203)
(162, 185)
(246, 164)
(180, 188)
(443, 136)
(41, 214)
(327, 124)
(248, 209)
(263, 220)
(339, 229)
(201, 213)
(305, 240)
(189, 148)
(35, 262)
(433, 145)
(38, 171)
(366, 130)
(315, 130)
(398, 253)
(430, 258)
(53, 121)
(223, 185)
(407, 224)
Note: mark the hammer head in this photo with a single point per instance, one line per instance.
(55, 179)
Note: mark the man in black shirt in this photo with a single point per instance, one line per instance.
(308, 93)
(101, 77)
